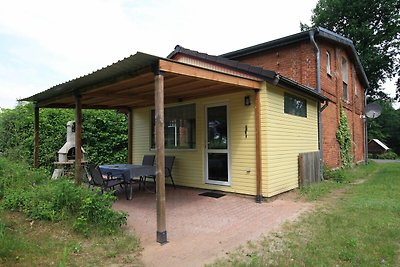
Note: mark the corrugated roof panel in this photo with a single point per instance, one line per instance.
(125, 66)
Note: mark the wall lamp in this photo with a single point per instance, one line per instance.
(247, 101)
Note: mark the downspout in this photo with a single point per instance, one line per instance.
(317, 54)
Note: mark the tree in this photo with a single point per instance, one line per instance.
(386, 127)
(374, 28)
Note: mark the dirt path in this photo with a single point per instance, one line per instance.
(202, 229)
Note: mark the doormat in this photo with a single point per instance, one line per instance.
(212, 194)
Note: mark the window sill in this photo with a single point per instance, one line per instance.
(177, 149)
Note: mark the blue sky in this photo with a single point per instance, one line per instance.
(47, 42)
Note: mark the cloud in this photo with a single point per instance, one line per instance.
(51, 41)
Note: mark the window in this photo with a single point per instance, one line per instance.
(345, 78)
(328, 63)
(355, 87)
(179, 127)
(295, 105)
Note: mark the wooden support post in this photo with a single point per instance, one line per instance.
(258, 147)
(130, 136)
(36, 138)
(160, 161)
(78, 139)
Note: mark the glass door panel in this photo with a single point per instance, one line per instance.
(217, 161)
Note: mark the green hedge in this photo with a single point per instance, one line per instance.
(104, 134)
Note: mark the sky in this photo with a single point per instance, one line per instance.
(47, 42)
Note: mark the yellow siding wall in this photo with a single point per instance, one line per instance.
(284, 136)
(188, 168)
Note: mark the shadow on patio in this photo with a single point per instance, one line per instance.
(200, 228)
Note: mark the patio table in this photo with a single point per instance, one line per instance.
(127, 172)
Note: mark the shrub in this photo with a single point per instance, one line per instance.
(56, 200)
(337, 175)
(388, 155)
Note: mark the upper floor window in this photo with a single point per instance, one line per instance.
(355, 87)
(295, 105)
(328, 63)
(179, 127)
(345, 78)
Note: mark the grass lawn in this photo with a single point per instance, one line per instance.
(24, 242)
(358, 224)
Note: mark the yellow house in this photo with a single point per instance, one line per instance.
(232, 127)
(214, 138)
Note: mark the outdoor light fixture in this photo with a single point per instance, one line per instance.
(247, 100)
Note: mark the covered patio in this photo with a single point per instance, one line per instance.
(202, 228)
(144, 80)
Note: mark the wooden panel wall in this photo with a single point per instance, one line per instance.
(309, 166)
(284, 137)
(188, 168)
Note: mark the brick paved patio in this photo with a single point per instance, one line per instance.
(199, 228)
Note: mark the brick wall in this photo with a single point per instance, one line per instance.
(298, 62)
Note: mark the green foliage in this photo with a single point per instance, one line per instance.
(104, 134)
(335, 175)
(388, 155)
(343, 137)
(16, 132)
(8, 242)
(95, 210)
(56, 200)
(374, 28)
(386, 127)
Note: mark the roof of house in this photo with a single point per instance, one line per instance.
(268, 75)
(131, 67)
(124, 67)
(234, 64)
(380, 143)
(301, 36)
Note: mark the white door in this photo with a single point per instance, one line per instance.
(217, 145)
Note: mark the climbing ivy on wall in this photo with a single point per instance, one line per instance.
(343, 136)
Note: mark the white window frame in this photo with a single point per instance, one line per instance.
(328, 63)
(227, 150)
(345, 79)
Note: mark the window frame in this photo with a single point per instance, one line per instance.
(328, 64)
(289, 111)
(345, 79)
(191, 129)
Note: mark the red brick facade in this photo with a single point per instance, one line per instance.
(298, 62)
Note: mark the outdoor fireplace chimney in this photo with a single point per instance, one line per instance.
(66, 155)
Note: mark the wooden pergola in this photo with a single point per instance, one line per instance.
(138, 81)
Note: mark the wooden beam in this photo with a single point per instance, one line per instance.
(258, 147)
(36, 138)
(78, 139)
(201, 73)
(160, 162)
(130, 136)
